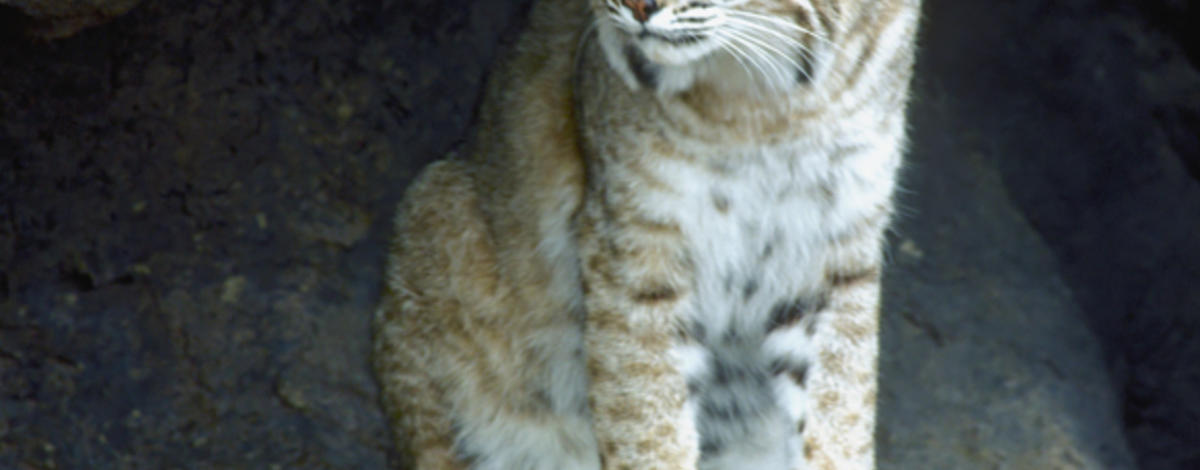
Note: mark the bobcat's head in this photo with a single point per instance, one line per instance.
(667, 45)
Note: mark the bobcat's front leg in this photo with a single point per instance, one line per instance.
(634, 290)
(841, 430)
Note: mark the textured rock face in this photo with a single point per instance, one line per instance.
(192, 215)
(194, 208)
(62, 18)
(987, 361)
(1089, 114)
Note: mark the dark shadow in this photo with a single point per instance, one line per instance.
(1052, 197)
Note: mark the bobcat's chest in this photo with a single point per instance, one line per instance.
(754, 223)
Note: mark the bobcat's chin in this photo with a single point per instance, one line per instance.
(649, 62)
(678, 51)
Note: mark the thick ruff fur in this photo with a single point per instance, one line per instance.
(663, 249)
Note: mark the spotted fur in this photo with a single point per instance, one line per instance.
(663, 248)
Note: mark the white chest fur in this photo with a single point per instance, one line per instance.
(756, 221)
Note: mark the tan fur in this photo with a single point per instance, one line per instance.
(493, 253)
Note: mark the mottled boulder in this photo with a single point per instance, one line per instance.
(193, 209)
(1087, 112)
(986, 359)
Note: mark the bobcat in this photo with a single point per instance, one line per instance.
(663, 247)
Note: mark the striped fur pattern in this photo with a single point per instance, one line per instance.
(663, 248)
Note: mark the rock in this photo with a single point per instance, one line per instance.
(1088, 115)
(193, 210)
(986, 360)
(61, 18)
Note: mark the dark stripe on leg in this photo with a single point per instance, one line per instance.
(655, 294)
(839, 279)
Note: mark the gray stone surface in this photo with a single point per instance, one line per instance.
(1088, 114)
(987, 361)
(194, 201)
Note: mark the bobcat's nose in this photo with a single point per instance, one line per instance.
(642, 9)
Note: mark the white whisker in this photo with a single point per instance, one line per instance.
(731, 47)
(774, 54)
(760, 50)
(767, 67)
(743, 15)
(790, 41)
(776, 21)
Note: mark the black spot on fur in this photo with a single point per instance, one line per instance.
(786, 313)
(797, 371)
(778, 366)
(750, 288)
(723, 373)
(645, 72)
(542, 400)
(726, 410)
(800, 426)
(720, 202)
(799, 374)
(768, 250)
(733, 401)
